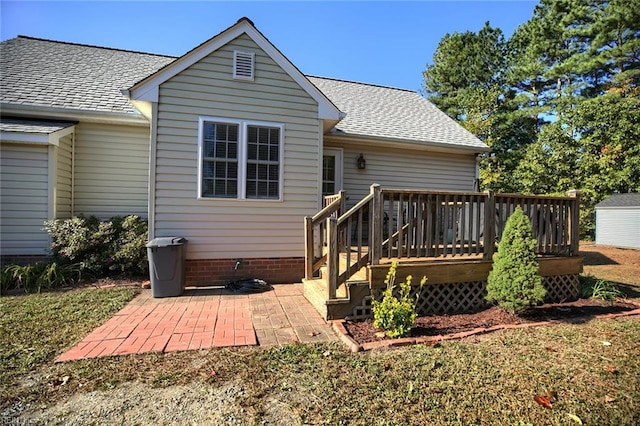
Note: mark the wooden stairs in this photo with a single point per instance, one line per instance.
(351, 299)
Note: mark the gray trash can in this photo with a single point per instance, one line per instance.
(166, 266)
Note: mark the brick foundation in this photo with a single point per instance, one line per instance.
(280, 270)
(22, 260)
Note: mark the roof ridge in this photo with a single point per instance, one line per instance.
(360, 82)
(95, 46)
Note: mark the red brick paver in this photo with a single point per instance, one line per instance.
(205, 318)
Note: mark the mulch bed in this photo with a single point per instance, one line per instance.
(440, 325)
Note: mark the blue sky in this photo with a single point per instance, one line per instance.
(381, 42)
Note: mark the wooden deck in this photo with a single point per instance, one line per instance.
(448, 236)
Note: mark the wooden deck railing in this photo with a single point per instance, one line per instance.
(315, 232)
(409, 224)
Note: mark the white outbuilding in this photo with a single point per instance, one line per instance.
(618, 221)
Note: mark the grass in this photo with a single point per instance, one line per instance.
(491, 379)
(35, 328)
(592, 369)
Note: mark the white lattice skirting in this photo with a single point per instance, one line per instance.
(452, 298)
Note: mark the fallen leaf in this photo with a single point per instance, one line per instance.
(575, 418)
(60, 382)
(550, 349)
(611, 369)
(314, 333)
(387, 366)
(544, 401)
(605, 343)
(381, 334)
(435, 390)
(609, 399)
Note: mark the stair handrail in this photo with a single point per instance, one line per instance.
(334, 208)
(339, 237)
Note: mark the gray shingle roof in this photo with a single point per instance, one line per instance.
(21, 125)
(386, 112)
(631, 199)
(48, 73)
(53, 74)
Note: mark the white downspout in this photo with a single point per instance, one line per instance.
(73, 174)
(153, 142)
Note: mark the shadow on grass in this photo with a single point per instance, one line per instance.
(630, 291)
(595, 258)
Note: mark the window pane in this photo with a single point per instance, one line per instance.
(263, 162)
(219, 166)
(328, 175)
(252, 153)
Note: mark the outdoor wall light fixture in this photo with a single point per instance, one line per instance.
(362, 163)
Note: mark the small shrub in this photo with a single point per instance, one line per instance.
(33, 278)
(592, 287)
(396, 315)
(102, 248)
(514, 281)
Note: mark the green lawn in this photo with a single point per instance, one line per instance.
(35, 328)
(592, 368)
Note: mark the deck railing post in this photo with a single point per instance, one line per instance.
(489, 224)
(332, 256)
(308, 248)
(343, 202)
(375, 228)
(574, 222)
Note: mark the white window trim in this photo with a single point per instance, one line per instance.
(242, 158)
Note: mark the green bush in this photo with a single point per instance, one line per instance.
(102, 248)
(514, 281)
(33, 278)
(396, 315)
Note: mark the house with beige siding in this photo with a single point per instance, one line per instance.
(230, 146)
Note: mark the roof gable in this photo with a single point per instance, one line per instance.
(148, 88)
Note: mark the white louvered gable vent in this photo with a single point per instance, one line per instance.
(243, 65)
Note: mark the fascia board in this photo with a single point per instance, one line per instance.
(406, 144)
(20, 137)
(54, 138)
(148, 89)
(37, 138)
(89, 116)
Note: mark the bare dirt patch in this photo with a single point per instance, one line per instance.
(621, 266)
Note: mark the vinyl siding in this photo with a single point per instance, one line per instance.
(229, 228)
(619, 227)
(23, 199)
(63, 178)
(111, 170)
(404, 169)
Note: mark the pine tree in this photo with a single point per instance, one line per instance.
(514, 281)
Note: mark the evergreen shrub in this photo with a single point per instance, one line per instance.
(514, 282)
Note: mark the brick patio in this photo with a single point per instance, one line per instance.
(205, 318)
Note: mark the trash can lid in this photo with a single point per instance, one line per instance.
(166, 241)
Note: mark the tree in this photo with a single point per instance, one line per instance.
(467, 81)
(557, 102)
(514, 281)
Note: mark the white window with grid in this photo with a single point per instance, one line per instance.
(240, 159)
